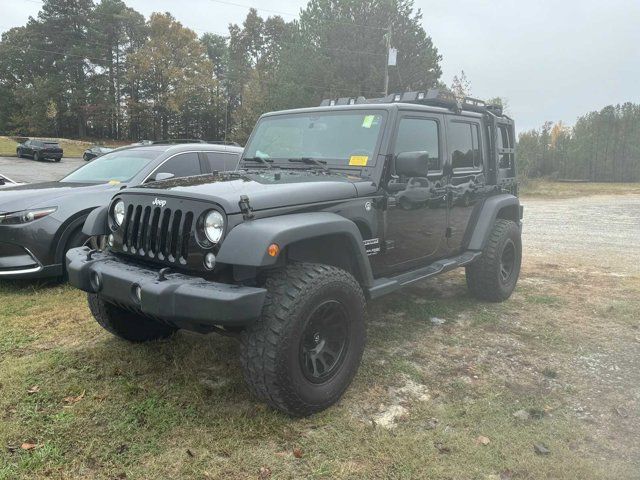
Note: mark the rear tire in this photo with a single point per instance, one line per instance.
(304, 351)
(125, 324)
(494, 275)
(36, 156)
(19, 153)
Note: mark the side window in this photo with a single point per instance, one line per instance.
(419, 135)
(504, 141)
(222, 162)
(182, 165)
(464, 145)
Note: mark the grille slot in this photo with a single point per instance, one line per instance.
(157, 233)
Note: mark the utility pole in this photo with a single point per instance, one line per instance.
(392, 60)
(386, 66)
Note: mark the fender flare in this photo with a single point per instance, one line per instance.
(246, 244)
(487, 217)
(96, 222)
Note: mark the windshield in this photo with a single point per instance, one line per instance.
(115, 166)
(337, 138)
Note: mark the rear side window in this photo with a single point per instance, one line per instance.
(182, 165)
(419, 135)
(464, 145)
(222, 162)
(504, 140)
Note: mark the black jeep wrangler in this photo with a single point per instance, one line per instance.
(332, 206)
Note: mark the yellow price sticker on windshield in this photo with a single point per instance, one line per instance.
(114, 182)
(368, 121)
(358, 160)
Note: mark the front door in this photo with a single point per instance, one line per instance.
(416, 214)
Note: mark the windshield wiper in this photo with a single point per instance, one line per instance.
(311, 161)
(265, 161)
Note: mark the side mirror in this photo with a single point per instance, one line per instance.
(412, 164)
(163, 176)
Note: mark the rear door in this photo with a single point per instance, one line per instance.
(466, 144)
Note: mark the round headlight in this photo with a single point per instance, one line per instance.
(214, 226)
(118, 212)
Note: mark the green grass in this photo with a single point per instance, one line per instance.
(178, 408)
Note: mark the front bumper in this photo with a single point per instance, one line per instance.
(186, 302)
(18, 262)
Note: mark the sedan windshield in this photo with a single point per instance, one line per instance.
(115, 166)
(336, 138)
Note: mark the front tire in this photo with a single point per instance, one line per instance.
(304, 351)
(494, 275)
(36, 156)
(125, 324)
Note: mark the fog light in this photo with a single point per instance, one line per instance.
(96, 282)
(209, 261)
(110, 241)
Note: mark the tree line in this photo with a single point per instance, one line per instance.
(603, 146)
(102, 70)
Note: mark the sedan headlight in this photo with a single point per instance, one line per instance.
(25, 216)
(118, 212)
(214, 226)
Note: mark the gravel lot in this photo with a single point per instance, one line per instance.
(30, 171)
(603, 230)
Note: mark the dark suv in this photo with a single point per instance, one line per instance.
(40, 150)
(335, 206)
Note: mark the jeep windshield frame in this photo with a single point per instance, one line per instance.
(347, 139)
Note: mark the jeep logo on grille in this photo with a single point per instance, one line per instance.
(159, 203)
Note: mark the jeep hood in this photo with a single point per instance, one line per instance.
(266, 190)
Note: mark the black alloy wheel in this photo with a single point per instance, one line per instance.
(507, 261)
(324, 341)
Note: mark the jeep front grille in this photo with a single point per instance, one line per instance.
(157, 233)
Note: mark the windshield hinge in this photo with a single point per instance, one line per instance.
(245, 207)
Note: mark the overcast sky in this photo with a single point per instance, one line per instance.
(551, 59)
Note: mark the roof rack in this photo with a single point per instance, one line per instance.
(176, 140)
(224, 142)
(434, 97)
